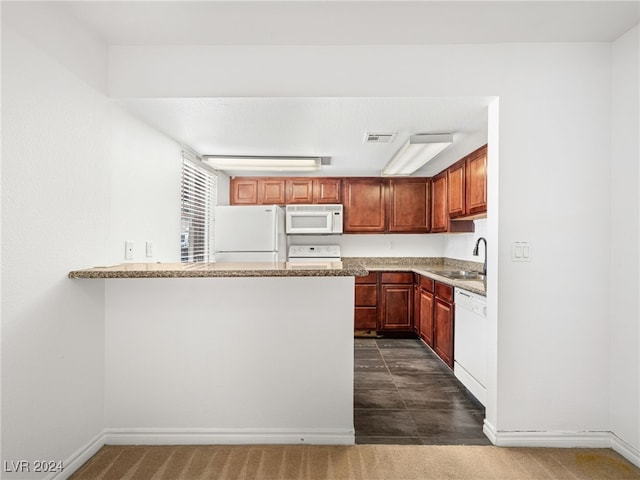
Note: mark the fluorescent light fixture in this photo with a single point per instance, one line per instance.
(279, 164)
(416, 152)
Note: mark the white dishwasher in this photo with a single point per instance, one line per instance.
(471, 342)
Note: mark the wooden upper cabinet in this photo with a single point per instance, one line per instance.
(244, 191)
(409, 209)
(271, 191)
(299, 190)
(456, 190)
(439, 210)
(476, 182)
(326, 190)
(467, 185)
(364, 202)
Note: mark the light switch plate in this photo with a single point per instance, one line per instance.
(520, 252)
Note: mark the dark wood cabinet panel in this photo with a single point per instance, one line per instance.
(372, 277)
(397, 277)
(476, 182)
(425, 330)
(364, 205)
(366, 295)
(409, 205)
(396, 312)
(366, 302)
(243, 191)
(456, 190)
(439, 209)
(271, 191)
(299, 190)
(444, 291)
(327, 190)
(365, 318)
(443, 330)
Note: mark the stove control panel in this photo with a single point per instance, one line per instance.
(314, 251)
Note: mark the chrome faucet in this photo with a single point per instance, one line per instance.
(475, 253)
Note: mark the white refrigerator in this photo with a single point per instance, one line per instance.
(249, 234)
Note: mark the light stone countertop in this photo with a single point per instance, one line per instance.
(231, 269)
(350, 266)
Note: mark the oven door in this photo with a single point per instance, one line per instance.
(314, 223)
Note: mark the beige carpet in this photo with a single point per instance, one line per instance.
(360, 462)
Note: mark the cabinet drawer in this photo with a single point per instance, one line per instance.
(365, 318)
(444, 291)
(371, 278)
(426, 283)
(397, 277)
(366, 295)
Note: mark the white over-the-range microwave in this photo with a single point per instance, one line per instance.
(313, 219)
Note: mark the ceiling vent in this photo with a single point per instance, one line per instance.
(379, 137)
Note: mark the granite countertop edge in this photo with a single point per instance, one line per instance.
(239, 272)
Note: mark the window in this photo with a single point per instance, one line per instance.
(198, 192)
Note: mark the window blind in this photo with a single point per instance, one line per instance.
(197, 197)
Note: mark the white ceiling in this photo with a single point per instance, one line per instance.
(335, 127)
(355, 22)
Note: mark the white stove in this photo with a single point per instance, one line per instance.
(314, 253)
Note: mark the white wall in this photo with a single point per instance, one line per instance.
(553, 183)
(191, 360)
(145, 191)
(55, 186)
(625, 238)
(78, 177)
(461, 245)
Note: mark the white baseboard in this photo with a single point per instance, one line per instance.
(79, 457)
(562, 440)
(627, 451)
(158, 436)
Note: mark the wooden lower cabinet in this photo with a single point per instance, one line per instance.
(425, 330)
(366, 302)
(443, 323)
(396, 301)
(402, 302)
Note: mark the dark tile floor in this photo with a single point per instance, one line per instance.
(404, 394)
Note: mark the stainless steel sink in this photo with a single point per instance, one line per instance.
(462, 275)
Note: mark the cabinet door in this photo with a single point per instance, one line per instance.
(476, 182)
(299, 190)
(409, 205)
(443, 330)
(456, 190)
(271, 191)
(244, 191)
(439, 211)
(326, 190)
(397, 307)
(416, 306)
(426, 317)
(364, 205)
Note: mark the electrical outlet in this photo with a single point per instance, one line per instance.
(129, 249)
(149, 249)
(392, 244)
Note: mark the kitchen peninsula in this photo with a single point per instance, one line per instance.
(228, 353)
